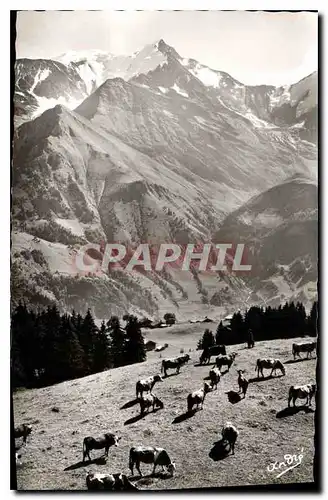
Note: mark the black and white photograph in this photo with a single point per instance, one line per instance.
(164, 317)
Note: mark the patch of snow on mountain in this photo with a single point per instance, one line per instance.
(257, 122)
(184, 62)
(72, 225)
(167, 113)
(179, 91)
(279, 96)
(298, 125)
(57, 255)
(44, 103)
(39, 77)
(207, 76)
(162, 89)
(76, 56)
(89, 77)
(199, 119)
(268, 219)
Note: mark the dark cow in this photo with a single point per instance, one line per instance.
(250, 340)
(105, 441)
(23, 431)
(148, 401)
(150, 455)
(242, 382)
(301, 391)
(307, 347)
(174, 363)
(208, 352)
(109, 482)
(197, 397)
(225, 360)
(147, 384)
(230, 433)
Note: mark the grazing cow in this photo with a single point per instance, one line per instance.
(301, 391)
(174, 363)
(197, 397)
(150, 455)
(230, 433)
(274, 364)
(149, 400)
(208, 352)
(23, 431)
(225, 360)
(109, 482)
(215, 376)
(105, 441)
(307, 347)
(17, 457)
(147, 384)
(242, 382)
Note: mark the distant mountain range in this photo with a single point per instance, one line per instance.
(158, 148)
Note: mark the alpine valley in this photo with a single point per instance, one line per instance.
(156, 148)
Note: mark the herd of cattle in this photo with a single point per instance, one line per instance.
(159, 456)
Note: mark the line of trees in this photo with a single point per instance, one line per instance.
(287, 321)
(48, 347)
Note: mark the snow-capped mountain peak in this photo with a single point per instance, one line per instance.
(76, 56)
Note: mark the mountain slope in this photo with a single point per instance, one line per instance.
(292, 106)
(75, 184)
(180, 125)
(280, 230)
(40, 84)
(179, 153)
(94, 404)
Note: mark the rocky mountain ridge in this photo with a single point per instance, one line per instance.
(176, 153)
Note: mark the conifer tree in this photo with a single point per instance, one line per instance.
(221, 334)
(207, 340)
(87, 338)
(102, 350)
(312, 320)
(135, 346)
(117, 342)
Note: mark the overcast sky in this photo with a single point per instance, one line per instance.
(254, 47)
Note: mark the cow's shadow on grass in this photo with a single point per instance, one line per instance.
(140, 416)
(184, 416)
(263, 379)
(293, 410)
(211, 363)
(234, 397)
(297, 360)
(173, 374)
(146, 477)
(98, 461)
(222, 375)
(129, 404)
(219, 451)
